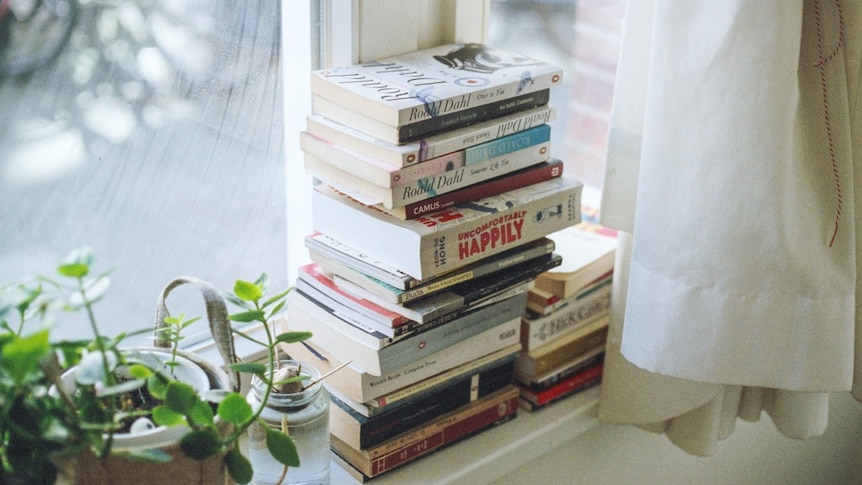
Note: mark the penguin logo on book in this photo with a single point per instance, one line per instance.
(548, 213)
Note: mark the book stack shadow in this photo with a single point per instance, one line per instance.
(437, 193)
(564, 330)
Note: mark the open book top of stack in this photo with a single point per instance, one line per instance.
(431, 91)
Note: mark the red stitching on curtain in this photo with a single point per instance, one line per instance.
(821, 63)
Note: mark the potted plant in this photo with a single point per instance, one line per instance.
(68, 408)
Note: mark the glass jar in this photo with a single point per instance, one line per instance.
(306, 414)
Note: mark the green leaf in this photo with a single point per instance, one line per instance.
(249, 316)
(201, 444)
(21, 356)
(158, 386)
(247, 291)
(202, 413)
(276, 298)
(165, 416)
(235, 409)
(281, 447)
(139, 371)
(255, 368)
(180, 397)
(238, 466)
(292, 337)
(73, 270)
(276, 309)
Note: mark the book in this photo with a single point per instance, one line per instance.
(399, 287)
(463, 294)
(362, 387)
(442, 431)
(311, 276)
(494, 323)
(541, 359)
(588, 255)
(522, 143)
(576, 311)
(563, 371)
(541, 302)
(431, 126)
(437, 83)
(532, 400)
(425, 188)
(361, 432)
(451, 238)
(510, 181)
(434, 385)
(426, 149)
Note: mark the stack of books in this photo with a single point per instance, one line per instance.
(564, 329)
(430, 228)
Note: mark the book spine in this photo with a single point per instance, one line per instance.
(567, 387)
(563, 374)
(420, 442)
(536, 249)
(376, 430)
(532, 366)
(437, 124)
(514, 180)
(539, 331)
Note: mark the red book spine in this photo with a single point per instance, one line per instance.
(449, 434)
(569, 385)
(515, 180)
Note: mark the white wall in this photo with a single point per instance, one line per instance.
(754, 454)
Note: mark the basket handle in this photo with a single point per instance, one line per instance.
(217, 315)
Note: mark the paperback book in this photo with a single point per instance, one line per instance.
(436, 83)
(563, 371)
(399, 287)
(558, 351)
(489, 154)
(436, 385)
(430, 126)
(497, 185)
(490, 326)
(418, 193)
(577, 311)
(588, 256)
(451, 238)
(532, 400)
(426, 149)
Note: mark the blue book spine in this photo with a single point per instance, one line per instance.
(507, 144)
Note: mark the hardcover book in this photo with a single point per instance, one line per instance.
(563, 371)
(399, 156)
(399, 287)
(488, 154)
(443, 431)
(361, 432)
(451, 238)
(434, 83)
(496, 324)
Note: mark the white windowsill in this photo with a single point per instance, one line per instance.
(496, 452)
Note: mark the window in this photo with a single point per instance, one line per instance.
(152, 131)
(583, 36)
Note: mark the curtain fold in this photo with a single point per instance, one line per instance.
(730, 176)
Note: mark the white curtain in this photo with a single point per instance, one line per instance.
(731, 173)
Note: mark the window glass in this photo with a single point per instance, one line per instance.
(582, 36)
(151, 130)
